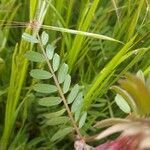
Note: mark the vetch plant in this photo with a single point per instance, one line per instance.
(58, 91)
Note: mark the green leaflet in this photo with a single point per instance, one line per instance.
(62, 72)
(56, 61)
(57, 121)
(82, 119)
(50, 51)
(61, 133)
(140, 75)
(138, 91)
(44, 38)
(49, 101)
(34, 56)
(54, 114)
(30, 38)
(40, 74)
(77, 114)
(67, 83)
(73, 94)
(77, 102)
(125, 95)
(123, 105)
(45, 88)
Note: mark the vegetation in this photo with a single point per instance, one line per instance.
(58, 61)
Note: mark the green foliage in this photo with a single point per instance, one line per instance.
(139, 93)
(73, 94)
(77, 102)
(49, 101)
(123, 105)
(82, 119)
(45, 88)
(67, 83)
(40, 74)
(29, 38)
(56, 62)
(34, 56)
(61, 133)
(44, 38)
(54, 114)
(99, 41)
(49, 51)
(61, 86)
(62, 72)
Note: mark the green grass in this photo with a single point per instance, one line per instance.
(100, 40)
